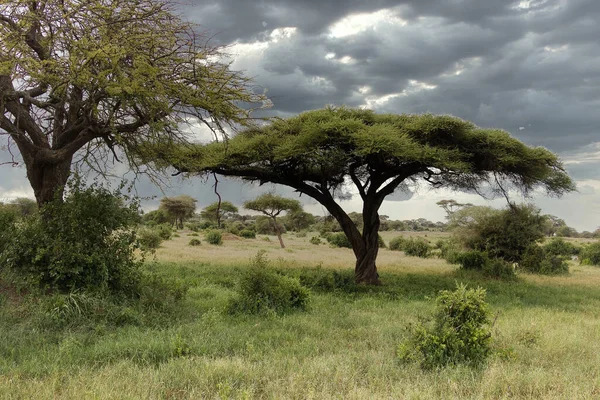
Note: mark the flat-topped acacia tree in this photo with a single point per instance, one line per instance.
(319, 153)
(272, 206)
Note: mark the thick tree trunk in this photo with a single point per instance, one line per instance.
(366, 270)
(48, 180)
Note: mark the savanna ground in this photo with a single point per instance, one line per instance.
(546, 335)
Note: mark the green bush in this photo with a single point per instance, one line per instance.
(560, 247)
(472, 260)
(315, 240)
(449, 251)
(380, 242)
(499, 269)
(165, 231)
(262, 290)
(397, 243)
(194, 234)
(459, 333)
(538, 260)
(301, 234)
(149, 238)
(339, 240)
(213, 237)
(195, 242)
(8, 217)
(85, 242)
(418, 247)
(248, 234)
(194, 226)
(590, 254)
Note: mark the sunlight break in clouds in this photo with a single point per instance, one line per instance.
(357, 23)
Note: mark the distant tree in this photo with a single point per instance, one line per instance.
(566, 231)
(298, 220)
(272, 206)
(451, 206)
(25, 206)
(553, 224)
(215, 212)
(178, 208)
(103, 76)
(156, 217)
(318, 152)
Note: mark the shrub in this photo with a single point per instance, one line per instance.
(560, 247)
(380, 242)
(149, 239)
(194, 226)
(194, 234)
(248, 234)
(449, 250)
(195, 242)
(397, 243)
(539, 260)
(418, 247)
(339, 240)
(590, 254)
(459, 333)
(85, 242)
(472, 260)
(301, 234)
(499, 269)
(165, 231)
(214, 237)
(8, 217)
(315, 240)
(262, 290)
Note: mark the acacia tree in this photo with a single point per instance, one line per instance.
(272, 206)
(99, 77)
(319, 153)
(178, 208)
(217, 210)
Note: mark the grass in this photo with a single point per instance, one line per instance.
(547, 335)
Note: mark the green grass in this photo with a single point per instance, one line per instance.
(547, 343)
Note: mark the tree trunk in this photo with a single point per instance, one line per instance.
(48, 180)
(278, 232)
(366, 270)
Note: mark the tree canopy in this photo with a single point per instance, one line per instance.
(99, 77)
(178, 208)
(217, 210)
(320, 153)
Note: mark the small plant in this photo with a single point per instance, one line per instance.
(459, 333)
(192, 234)
(266, 239)
(214, 237)
(339, 240)
(149, 239)
(590, 254)
(418, 247)
(315, 240)
(301, 234)
(397, 243)
(195, 242)
(262, 290)
(248, 234)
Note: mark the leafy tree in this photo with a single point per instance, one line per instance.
(102, 76)
(216, 212)
(451, 206)
(24, 206)
(319, 152)
(178, 208)
(156, 217)
(272, 206)
(298, 220)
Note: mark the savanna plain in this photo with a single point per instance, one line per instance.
(546, 333)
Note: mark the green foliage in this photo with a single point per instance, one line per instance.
(417, 247)
(214, 237)
(590, 254)
(263, 291)
(501, 233)
(149, 239)
(86, 242)
(449, 250)
(165, 231)
(225, 209)
(178, 208)
(339, 240)
(315, 240)
(194, 242)
(155, 217)
(266, 226)
(381, 242)
(397, 243)
(498, 268)
(459, 333)
(560, 247)
(8, 217)
(273, 205)
(248, 234)
(474, 260)
(538, 260)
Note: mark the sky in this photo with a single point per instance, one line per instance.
(531, 67)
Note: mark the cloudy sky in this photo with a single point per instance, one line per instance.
(531, 67)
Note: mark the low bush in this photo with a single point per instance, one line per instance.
(165, 231)
(301, 234)
(459, 332)
(315, 240)
(339, 240)
(381, 242)
(262, 291)
(590, 254)
(449, 251)
(474, 260)
(248, 234)
(538, 260)
(397, 243)
(195, 242)
(498, 268)
(214, 237)
(418, 247)
(149, 238)
(560, 247)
